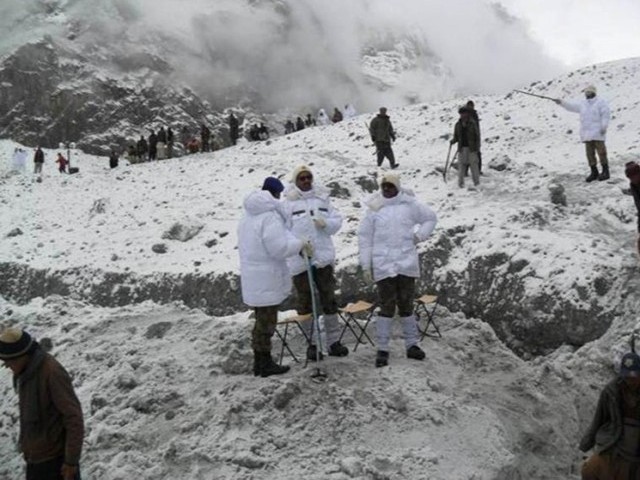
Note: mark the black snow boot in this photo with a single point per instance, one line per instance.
(268, 367)
(338, 350)
(594, 174)
(605, 173)
(311, 353)
(415, 352)
(382, 359)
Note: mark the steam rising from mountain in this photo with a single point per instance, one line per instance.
(294, 53)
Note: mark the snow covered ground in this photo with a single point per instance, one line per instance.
(180, 404)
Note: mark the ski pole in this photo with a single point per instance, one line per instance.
(535, 95)
(446, 164)
(318, 375)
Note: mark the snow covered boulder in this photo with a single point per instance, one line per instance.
(558, 197)
(500, 163)
(14, 233)
(182, 232)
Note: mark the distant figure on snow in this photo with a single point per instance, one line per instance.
(632, 171)
(300, 124)
(113, 159)
(466, 135)
(289, 127)
(205, 137)
(38, 160)
(594, 122)
(474, 116)
(234, 129)
(169, 143)
(323, 119)
(337, 115)
(51, 420)
(394, 224)
(309, 121)
(62, 163)
(382, 134)
(349, 111)
(263, 132)
(142, 148)
(153, 146)
(19, 160)
(614, 433)
(264, 244)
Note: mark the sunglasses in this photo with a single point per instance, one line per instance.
(304, 178)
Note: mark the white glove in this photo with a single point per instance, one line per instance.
(320, 222)
(307, 249)
(603, 131)
(367, 276)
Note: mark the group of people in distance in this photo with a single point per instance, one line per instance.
(280, 240)
(320, 119)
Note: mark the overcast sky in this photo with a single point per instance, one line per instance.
(582, 32)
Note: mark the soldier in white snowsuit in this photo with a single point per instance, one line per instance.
(594, 122)
(323, 118)
(311, 217)
(349, 111)
(394, 224)
(264, 244)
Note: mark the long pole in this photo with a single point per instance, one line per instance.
(69, 157)
(446, 164)
(318, 375)
(535, 95)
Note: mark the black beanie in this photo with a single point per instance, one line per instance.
(14, 343)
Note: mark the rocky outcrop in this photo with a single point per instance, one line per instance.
(49, 95)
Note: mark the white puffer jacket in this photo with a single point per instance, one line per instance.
(594, 117)
(300, 208)
(322, 117)
(264, 243)
(388, 233)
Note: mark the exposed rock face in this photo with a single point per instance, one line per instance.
(50, 96)
(492, 288)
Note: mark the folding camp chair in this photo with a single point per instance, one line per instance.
(297, 320)
(349, 316)
(421, 310)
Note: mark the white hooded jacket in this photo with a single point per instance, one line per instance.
(264, 243)
(300, 208)
(387, 236)
(594, 117)
(322, 118)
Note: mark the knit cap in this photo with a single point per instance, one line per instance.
(631, 169)
(272, 185)
(630, 366)
(14, 343)
(298, 170)
(590, 89)
(392, 178)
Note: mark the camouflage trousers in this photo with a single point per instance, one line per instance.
(596, 146)
(395, 292)
(264, 328)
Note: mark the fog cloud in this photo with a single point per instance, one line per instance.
(299, 53)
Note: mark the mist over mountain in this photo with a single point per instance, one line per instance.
(284, 53)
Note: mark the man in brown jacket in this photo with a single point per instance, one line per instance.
(467, 136)
(51, 424)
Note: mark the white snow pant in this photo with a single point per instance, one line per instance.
(331, 329)
(409, 330)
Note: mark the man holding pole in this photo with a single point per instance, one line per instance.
(594, 121)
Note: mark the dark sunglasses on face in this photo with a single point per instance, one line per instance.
(304, 178)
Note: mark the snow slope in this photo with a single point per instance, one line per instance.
(182, 405)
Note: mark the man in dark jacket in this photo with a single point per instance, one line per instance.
(466, 135)
(169, 143)
(632, 171)
(153, 146)
(382, 134)
(51, 424)
(234, 129)
(309, 121)
(614, 433)
(38, 160)
(142, 148)
(162, 135)
(113, 159)
(474, 115)
(300, 125)
(337, 115)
